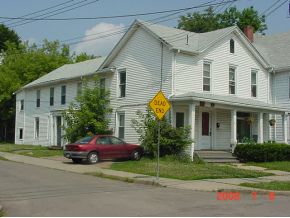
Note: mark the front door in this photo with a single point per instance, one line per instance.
(206, 130)
(58, 130)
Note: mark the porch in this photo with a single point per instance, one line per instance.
(220, 122)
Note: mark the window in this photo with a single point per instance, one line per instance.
(20, 133)
(38, 98)
(179, 119)
(84, 140)
(104, 140)
(254, 83)
(121, 128)
(36, 127)
(116, 141)
(22, 105)
(51, 98)
(63, 93)
(102, 86)
(206, 77)
(232, 80)
(122, 84)
(79, 88)
(205, 124)
(232, 46)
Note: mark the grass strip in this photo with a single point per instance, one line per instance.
(274, 185)
(185, 170)
(276, 165)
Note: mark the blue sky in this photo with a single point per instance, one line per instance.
(278, 21)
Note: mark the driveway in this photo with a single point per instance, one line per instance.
(27, 190)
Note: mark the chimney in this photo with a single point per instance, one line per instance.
(249, 32)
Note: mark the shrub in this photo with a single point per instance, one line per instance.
(173, 141)
(88, 114)
(265, 152)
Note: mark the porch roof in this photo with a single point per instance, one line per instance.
(229, 100)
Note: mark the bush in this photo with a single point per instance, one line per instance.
(265, 152)
(173, 141)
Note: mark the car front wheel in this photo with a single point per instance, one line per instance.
(136, 155)
(93, 158)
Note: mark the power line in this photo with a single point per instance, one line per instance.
(45, 9)
(70, 9)
(96, 18)
(124, 29)
(264, 12)
(271, 12)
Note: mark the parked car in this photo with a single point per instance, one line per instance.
(98, 147)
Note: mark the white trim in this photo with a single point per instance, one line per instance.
(235, 79)
(210, 75)
(118, 83)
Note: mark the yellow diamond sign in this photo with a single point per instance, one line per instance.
(159, 105)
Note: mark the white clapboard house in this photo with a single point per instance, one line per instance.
(225, 84)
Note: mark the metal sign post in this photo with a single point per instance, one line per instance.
(160, 106)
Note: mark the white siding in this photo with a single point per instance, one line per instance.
(280, 87)
(189, 71)
(141, 57)
(44, 112)
(223, 133)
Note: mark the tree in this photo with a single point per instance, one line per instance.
(173, 141)
(7, 35)
(89, 114)
(209, 21)
(83, 57)
(21, 65)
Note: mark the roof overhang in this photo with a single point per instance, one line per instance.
(106, 70)
(229, 100)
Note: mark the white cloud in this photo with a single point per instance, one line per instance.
(101, 46)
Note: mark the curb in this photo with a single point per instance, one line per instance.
(125, 179)
(258, 191)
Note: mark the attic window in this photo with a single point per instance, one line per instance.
(232, 46)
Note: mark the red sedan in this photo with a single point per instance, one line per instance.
(95, 148)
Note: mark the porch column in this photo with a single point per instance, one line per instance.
(260, 128)
(233, 129)
(285, 129)
(191, 121)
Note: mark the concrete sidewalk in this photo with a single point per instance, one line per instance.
(198, 185)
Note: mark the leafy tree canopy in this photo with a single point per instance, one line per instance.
(206, 21)
(7, 35)
(89, 113)
(21, 64)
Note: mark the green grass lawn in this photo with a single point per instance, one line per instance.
(185, 171)
(276, 165)
(30, 150)
(274, 185)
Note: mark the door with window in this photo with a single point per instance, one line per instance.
(206, 130)
(58, 131)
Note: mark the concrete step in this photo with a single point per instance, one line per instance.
(217, 156)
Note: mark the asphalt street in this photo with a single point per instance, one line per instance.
(27, 190)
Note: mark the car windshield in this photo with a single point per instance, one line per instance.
(84, 140)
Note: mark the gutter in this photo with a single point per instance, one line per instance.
(106, 70)
(227, 102)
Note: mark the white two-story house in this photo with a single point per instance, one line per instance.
(221, 83)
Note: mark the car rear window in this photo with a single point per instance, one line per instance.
(84, 140)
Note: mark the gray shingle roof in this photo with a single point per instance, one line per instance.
(275, 48)
(178, 38)
(229, 100)
(69, 71)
